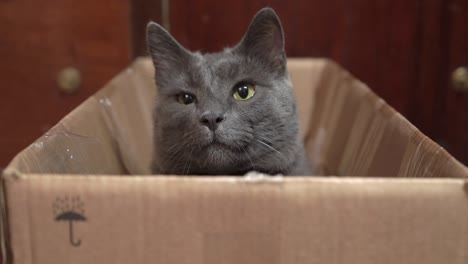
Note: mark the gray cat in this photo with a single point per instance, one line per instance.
(226, 113)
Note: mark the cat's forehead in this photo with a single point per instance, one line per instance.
(225, 64)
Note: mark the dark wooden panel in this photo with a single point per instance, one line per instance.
(143, 11)
(38, 39)
(455, 125)
(431, 59)
(364, 36)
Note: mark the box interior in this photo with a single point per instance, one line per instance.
(347, 129)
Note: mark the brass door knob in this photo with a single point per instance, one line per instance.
(460, 79)
(69, 80)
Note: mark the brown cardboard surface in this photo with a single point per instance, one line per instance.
(226, 220)
(379, 216)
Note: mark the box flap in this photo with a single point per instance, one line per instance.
(89, 219)
(109, 133)
(353, 132)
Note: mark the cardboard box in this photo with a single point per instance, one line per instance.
(74, 196)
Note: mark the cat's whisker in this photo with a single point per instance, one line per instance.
(268, 146)
(248, 156)
(176, 149)
(190, 163)
(176, 164)
(280, 157)
(172, 147)
(173, 161)
(171, 156)
(185, 170)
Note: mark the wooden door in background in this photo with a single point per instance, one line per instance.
(404, 50)
(40, 38)
(454, 128)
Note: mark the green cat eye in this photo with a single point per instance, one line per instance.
(243, 91)
(185, 98)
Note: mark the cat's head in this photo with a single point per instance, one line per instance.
(228, 112)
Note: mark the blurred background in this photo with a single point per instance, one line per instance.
(56, 53)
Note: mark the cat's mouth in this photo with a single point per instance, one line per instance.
(222, 153)
(217, 142)
(222, 142)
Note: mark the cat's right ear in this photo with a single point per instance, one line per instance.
(167, 54)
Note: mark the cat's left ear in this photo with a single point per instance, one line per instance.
(264, 40)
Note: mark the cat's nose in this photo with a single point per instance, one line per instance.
(211, 120)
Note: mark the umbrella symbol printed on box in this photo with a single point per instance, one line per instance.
(69, 209)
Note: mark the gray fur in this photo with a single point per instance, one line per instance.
(260, 134)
